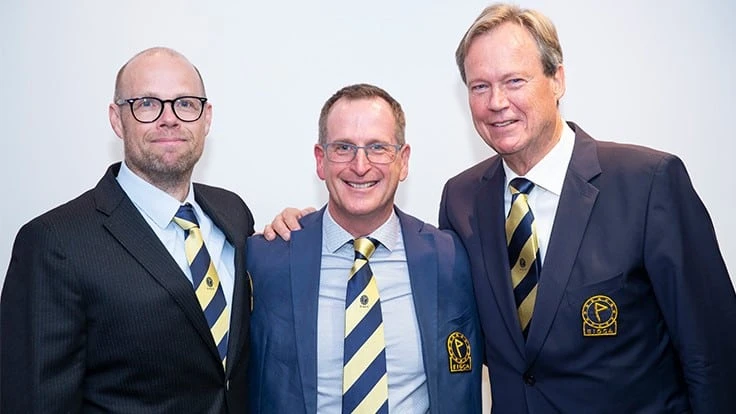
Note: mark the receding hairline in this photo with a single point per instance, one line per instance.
(151, 52)
(363, 91)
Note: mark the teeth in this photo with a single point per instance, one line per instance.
(502, 124)
(361, 185)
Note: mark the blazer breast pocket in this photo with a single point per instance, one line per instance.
(578, 294)
(597, 305)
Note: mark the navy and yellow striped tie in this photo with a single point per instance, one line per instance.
(523, 247)
(205, 280)
(365, 382)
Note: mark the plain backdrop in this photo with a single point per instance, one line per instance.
(655, 73)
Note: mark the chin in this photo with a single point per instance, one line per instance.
(361, 211)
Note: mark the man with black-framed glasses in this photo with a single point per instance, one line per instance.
(367, 309)
(134, 296)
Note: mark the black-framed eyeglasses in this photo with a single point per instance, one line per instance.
(147, 109)
(377, 153)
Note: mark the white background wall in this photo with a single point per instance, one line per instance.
(654, 73)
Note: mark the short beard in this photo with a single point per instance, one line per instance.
(163, 175)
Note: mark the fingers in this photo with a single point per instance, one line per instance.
(291, 218)
(285, 222)
(268, 233)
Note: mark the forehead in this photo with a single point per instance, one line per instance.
(162, 75)
(365, 119)
(509, 47)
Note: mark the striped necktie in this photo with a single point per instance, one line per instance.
(365, 383)
(205, 280)
(523, 247)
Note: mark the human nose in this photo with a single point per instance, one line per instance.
(168, 117)
(360, 162)
(497, 99)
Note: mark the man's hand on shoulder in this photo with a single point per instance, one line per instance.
(285, 222)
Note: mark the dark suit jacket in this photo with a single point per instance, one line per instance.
(630, 228)
(283, 369)
(97, 316)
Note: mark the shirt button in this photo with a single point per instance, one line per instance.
(529, 379)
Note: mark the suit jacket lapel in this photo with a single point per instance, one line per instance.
(421, 258)
(489, 208)
(576, 203)
(126, 224)
(306, 256)
(240, 286)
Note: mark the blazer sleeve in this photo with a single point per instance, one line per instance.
(692, 287)
(443, 221)
(41, 326)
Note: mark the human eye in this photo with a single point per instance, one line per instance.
(516, 82)
(342, 147)
(479, 87)
(146, 103)
(187, 103)
(378, 148)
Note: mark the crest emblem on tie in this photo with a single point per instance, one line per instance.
(210, 283)
(599, 316)
(364, 300)
(458, 352)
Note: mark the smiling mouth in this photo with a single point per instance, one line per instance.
(168, 139)
(502, 124)
(361, 185)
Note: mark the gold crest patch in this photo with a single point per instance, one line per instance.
(599, 316)
(458, 352)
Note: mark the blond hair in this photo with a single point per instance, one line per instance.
(539, 26)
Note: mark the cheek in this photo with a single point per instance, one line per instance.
(133, 136)
(477, 112)
(476, 105)
(540, 102)
(330, 174)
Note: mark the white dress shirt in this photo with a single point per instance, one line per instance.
(548, 176)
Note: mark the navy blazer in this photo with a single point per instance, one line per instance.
(635, 311)
(97, 316)
(285, 275)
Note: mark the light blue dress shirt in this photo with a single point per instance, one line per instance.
(158, 209)
(407, 382)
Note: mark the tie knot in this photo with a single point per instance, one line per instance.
(364, 247)
(521, 185)
(185, 217)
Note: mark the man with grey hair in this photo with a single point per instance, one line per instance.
(133, 297)
(597, 273)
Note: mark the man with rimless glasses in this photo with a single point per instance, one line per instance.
(133, 297)
(367, 309)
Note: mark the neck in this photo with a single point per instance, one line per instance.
(178, 191)
(522, 162)
(360, 225)
(175, 185)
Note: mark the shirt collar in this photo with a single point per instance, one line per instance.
(549, 173)
(334, 236)
(155, 203)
